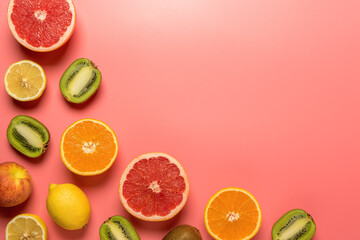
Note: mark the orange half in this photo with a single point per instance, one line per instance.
(88, 147)
(232, 213)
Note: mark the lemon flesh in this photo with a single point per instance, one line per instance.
(26, 226)
(25, 80)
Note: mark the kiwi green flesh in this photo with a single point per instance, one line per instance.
(118, 228)
(294, 225)
(80, 81)
(28, 136)
(183, 232)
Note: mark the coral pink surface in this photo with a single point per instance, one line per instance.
(261, 95)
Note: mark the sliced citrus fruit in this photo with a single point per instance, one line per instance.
(26, 226)
(88, 147)
(41, 26)
(154, 187)
(232, 213)
(25, 80)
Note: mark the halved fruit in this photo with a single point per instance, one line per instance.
(118, 228)
(25, 80)
(88, 147)
(295, 224)
(41, 26)
(232, 213)
(80, 80)
(28, 136)
(154, 187)
(26, 226)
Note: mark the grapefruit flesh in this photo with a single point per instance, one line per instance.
(41, 25)
(154, 187)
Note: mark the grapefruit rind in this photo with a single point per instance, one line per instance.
(63, 39)
(232, 189)
(154, 218)
(93, 173)
(41, 90)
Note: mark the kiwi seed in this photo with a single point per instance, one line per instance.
(80, 80)
(28, 136)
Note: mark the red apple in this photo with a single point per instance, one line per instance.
(15, 184)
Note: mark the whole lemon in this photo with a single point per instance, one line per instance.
(68, 206)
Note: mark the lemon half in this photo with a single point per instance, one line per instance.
(25, 80)
(26, 226)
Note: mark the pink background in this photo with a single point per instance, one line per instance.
(261, 95)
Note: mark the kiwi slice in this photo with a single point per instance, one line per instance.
(28, 136)
(294, 225)
(80, 80)
(183, 232)
(118, 228)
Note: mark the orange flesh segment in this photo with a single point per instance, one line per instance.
(89, 147)
(236, 206)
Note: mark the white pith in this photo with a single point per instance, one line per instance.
(115, 230)
(154, 217)
(299, 224)
(62, 39)
(154, 186)
(89, 147)
(80, 80)
(30, 135)
(40, 15)
(232, 216)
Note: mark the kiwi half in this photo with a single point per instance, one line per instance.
(80, 80)
(28, 136)
(118, 228)
(294, 225)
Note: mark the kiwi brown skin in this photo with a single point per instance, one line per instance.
(71, 73)
(183, 232)
(296, 224)
(20, 143)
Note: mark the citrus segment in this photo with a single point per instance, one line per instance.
(154, 187)
(41, 25)
(25, 80)
(88, 147)
(26, 226)
(232, 213)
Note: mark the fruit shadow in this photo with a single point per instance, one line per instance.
(93, 181)
(47, 58)
(85, 104)
(156, 226)
(66, 234)
(36, 160)
(10, 212)
(29, 104)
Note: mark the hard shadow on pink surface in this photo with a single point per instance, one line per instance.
(66, 234)
(155, 226)
(37, 160)
(30, 104)
(87, 103)
(48, 58)
(10, 212)
(92, 181)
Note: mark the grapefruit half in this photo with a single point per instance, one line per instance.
(41, 26)
(154, 187)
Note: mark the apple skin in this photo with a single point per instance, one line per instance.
(15, 184)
